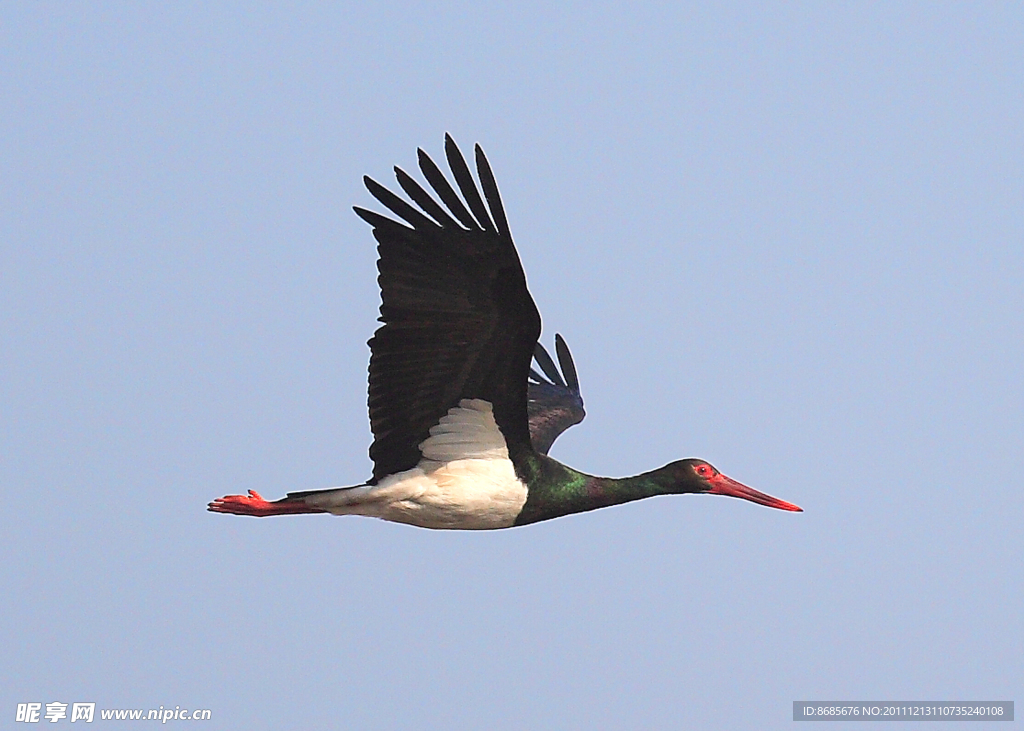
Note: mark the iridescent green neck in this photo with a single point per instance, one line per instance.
(556, 490)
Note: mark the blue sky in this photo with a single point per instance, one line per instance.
(785, 238)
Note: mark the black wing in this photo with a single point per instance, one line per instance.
(554, 404)
(458, 319)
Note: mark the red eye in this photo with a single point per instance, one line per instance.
(703, 470)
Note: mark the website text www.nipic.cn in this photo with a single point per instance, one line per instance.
(58, 711)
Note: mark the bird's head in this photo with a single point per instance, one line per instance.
(698, 476)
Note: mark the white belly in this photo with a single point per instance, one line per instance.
(465, 479)
(467, 494)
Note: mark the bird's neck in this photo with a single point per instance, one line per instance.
(555, 490)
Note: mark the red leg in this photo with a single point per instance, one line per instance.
(254, 504)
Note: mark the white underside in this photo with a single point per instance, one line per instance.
(464, 481)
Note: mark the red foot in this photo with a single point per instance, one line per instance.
(254, 504)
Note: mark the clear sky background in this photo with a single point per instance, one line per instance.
(786, 238)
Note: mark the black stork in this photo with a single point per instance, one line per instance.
(461, 423)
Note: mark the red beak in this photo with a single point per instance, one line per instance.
(722, 485)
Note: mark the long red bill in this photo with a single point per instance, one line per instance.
(722, 485)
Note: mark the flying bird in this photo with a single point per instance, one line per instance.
(461, 422)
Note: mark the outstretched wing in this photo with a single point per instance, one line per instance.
(554, 403)
(459, 322)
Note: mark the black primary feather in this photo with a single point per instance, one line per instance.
(458, 319)
(554, 403)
